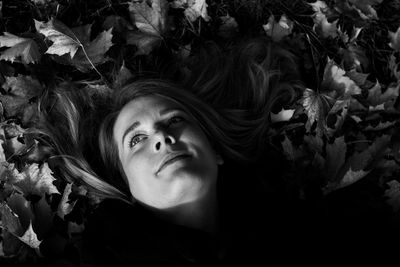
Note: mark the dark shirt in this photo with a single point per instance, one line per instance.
(258, 228)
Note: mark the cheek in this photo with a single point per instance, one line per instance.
(137, 170)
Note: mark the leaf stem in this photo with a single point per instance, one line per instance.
(94, 67)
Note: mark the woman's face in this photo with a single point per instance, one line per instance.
(166, 157)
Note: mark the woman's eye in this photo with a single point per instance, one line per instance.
(175, 119)
(136, 139)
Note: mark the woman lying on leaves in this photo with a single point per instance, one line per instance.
(187, 175)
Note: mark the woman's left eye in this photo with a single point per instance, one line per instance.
(175, 119)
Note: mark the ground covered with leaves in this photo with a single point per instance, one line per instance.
(341, 131)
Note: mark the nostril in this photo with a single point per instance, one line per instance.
(158, 145)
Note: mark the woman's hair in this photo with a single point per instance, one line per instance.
(230, 95)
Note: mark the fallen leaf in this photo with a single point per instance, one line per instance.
(117, 23)
(9, 220)
(339, 113)
(30, 238)
(283, 115)
(393, 195)
(93, 50)
(380, 101)
(358, 77)
(123, 76)
(354, 57)
(35, 180)
(150, 16)
(151, 20)
(365, 6)
(64, 39)
(66, 205)
(316, 107)
(145, 43)
(395, 39)
(278, 30)
(76, 41)
(336, 84)
(21, 49)
(19, 91)
(335, 158)
(193, 9)
(229, 27)
(322, 26)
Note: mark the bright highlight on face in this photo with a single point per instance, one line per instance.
(165, 156)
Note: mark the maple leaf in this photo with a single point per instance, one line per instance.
(316, 107)
(395, 39)
(9, 220)
(145, 43)
(381, 101)
(228, 28)
(335, 84)
(193, 9)
(151, 20)
(321, 24)
(12, 134)
(21, 49)
(278, 31)
(35, 180)
(84, 54)
(354, 57)
(365, 7)
(335, 158)
(30, 238)
(123, 76)
(93, 50)
(338, 112)
(64, 39)
(393, 195)
(65, 206)
(150, 16)
(19, 90)
(358, 77)
(358, 165)
(283, 115)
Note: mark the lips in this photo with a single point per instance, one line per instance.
(171, 158)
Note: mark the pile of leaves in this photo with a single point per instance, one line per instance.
(340, 131)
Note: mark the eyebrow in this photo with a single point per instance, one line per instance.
(132, 127)
(136, 124)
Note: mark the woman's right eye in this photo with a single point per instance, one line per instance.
(136, 139)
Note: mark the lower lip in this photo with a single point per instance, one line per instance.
(174, 160)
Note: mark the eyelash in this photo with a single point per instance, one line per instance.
(172, 120)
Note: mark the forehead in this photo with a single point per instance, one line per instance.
(139, 108)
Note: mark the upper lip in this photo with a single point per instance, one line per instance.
(169, 157)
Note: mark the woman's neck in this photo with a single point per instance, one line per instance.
(201, 214)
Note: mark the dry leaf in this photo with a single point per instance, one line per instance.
(381, 101)
(35, 180)
(21, 49)
(229, 27)
(64, 39)
(19, 90)
(9, 220)
(278, 30)
(150, 16)
(393, 195)
(30, 238)
(65, 205)
(193, 9)
(321, 24)
(365, 6)
(335, 84)
(283, 115)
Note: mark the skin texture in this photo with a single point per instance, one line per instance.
(164, 130)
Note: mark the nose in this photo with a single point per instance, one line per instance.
(163, 139)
